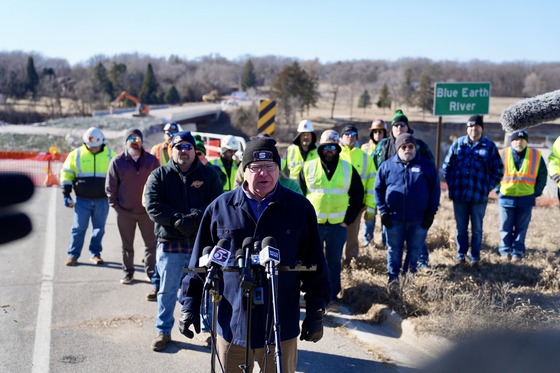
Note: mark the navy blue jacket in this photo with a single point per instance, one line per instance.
(407, 191)
(291, 220)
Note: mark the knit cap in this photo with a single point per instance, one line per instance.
(134, 132)
(399, 117)
(404, 138)
(199, 143)
(184, 136)
(474, 120)
(260, 149)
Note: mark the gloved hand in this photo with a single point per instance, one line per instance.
(369, 216)
(188, 224)
(312, 328)
(428, 220)
(68, 202)
(386, 220)
(556, 178)
(187, 319)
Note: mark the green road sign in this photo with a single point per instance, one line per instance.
(461, 98)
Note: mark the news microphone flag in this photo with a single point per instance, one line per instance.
(269, 253)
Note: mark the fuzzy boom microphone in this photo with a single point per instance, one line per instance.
(531, 112)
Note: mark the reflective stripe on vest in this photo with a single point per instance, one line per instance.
(517, 183)
(230, 179)
(295, 160)
(329, 197)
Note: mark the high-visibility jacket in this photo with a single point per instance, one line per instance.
(554, 159)
(329, 197)
(365, 166)
(230, 179)
(162, 153)
(520, 182)
(294, 160)
(86, 172)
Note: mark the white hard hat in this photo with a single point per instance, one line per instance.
(305, 126)
(229, 143)
(93, 137)
(329, 137)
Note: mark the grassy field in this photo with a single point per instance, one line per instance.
(455, 302)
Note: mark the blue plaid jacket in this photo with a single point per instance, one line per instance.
(471, 171)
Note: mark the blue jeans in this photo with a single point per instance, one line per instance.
(514, 222)
(84, 210)
(333, 237)
(170, 267)
(415, 237)
(369, 227)
(465, 211)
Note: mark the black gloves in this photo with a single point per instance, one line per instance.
(187, 319)
(386, 220)
(556, 178)
(428, 220)
(312, 328)
(187, 224)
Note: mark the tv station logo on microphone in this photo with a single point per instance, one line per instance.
(220, 256)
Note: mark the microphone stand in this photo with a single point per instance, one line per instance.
(272, 275)
(213, 291)
(248, 286)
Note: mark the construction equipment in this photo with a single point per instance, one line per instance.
(213, 96)
(143, 109)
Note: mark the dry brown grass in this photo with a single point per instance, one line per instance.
(455, 302)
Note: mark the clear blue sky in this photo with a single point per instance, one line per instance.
(329, 30)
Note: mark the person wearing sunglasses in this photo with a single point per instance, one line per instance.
(124, 185)
(175, 196)
(407, 193)
(336, 191)
(365, 166)
(259, 208)
(162, 151)
(386, 149)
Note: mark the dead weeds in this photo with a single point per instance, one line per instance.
(458, 301)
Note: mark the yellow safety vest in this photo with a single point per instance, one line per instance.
(82, 163)
(295, 160)
(329, 197)
(517, 183)
(161, 151)
(230, 179)
(365, 166)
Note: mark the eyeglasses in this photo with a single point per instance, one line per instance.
(377, 131)
(133, 139)
(327, 148)
(256, 168)
(181, 147)
(400, 124)
(350, 133)
(170, 134)
(408, 147)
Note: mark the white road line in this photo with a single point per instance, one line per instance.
(42, 347)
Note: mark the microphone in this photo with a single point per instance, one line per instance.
(203, 260)
(531, 112)
(269, 254)
(217, 259)
(240, 258)
(255, 253)
(246, 281)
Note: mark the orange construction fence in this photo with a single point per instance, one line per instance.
(42, 167)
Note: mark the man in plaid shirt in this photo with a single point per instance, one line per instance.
(472, 168)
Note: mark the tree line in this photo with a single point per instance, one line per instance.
(295, 84)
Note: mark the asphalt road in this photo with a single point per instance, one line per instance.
(55, 318)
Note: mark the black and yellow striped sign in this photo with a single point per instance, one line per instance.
(267, 112)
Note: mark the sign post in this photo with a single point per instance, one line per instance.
(459, 99)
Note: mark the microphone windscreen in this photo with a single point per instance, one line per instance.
(531, 112)
(13, 227)
(269, 241)
(247, 242)
(15, 188)
(223, 243)
(240, 253)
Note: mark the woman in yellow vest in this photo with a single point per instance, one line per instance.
(524, 179)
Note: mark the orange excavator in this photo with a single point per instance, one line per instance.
(143, 109)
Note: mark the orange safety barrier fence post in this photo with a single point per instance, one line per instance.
(51, 178)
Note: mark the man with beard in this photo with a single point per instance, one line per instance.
(407, 195)
(336, 191)
(524, 179)
(472, 168)
(302, 149)
(176, 195)
(125, 181)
